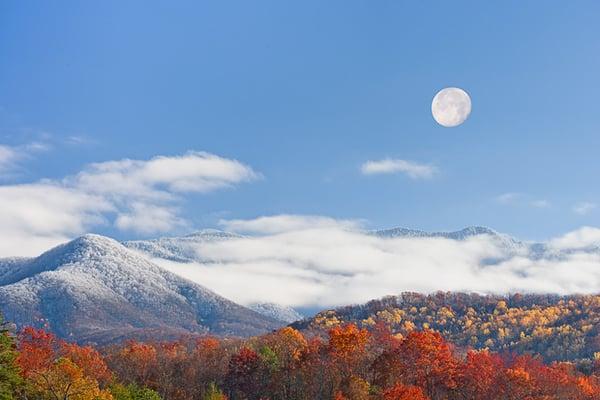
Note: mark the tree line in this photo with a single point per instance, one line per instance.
(348, 362)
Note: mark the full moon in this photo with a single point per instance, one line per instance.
(451, 107)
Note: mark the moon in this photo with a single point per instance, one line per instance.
(451, 107)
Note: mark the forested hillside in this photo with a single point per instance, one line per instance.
(557, 328)
(445, 346)
(348, 363)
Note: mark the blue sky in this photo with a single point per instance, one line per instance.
(305, 93)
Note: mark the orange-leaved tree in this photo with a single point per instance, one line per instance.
(423, 359)
(404, 392)
(58, 370)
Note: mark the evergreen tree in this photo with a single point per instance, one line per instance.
(10, 379)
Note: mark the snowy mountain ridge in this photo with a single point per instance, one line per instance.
(462, 234)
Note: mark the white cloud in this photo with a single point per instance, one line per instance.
(149, 218)
(135, 195)
(36, 147)
(391, 166)
(78, 140)
(161, 176)
(515, 198)
(580, 239)
(34, 217)
(8, 157)
(584, 208)
(310, 263)
(11, 156)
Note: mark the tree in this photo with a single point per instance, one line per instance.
(132, 392)
(280, 354)
(347, 349)
(423, 359)
(347, 342)
(37, 351)
(481, 375)
(173, 371)
(135, 363)
(60, 371)
(357, 388)
(88, 359)
(10, 378)
(404, 392)
(65, 380)
(213, 393)
(208, 365)
(241, 376)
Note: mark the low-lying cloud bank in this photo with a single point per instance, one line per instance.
(311, 261)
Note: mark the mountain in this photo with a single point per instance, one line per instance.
(179, 249)
(463, 234)
(93, 289)
(505, 241)
(277, 311)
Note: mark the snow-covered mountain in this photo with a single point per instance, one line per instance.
(95, 289)
(456, 235)
(462, 234)
(276, 311)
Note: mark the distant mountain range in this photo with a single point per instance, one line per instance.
(511, 246)
(185, 248)
(97, 289)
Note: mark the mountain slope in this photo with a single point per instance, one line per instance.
(276, 311)
(95, 289)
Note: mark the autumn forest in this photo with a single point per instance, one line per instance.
(382, 350)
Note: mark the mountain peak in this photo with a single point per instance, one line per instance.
(94, 240)
(88, 246)
(478, 230)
